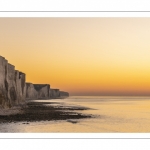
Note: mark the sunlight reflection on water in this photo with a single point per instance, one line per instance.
(114, 114)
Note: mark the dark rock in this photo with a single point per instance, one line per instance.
(72, 121)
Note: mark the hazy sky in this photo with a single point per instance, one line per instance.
(84, 56)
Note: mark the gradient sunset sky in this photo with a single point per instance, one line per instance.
(84, 56)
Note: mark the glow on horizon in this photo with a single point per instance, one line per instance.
(84, 56)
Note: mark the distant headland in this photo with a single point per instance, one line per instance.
(14, 89)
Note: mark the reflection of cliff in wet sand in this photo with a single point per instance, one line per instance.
(15, 92)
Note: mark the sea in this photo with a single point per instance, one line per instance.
(110, 114)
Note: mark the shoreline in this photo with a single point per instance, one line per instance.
(42, 111)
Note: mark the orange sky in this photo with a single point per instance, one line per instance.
(84, 56)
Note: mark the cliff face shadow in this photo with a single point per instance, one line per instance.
(44, 111)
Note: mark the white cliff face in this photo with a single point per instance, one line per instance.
(31, 93)
(43, 90)
(64, 94)
(37, 91)
(11, 84)
(14, 90)
(54, 93)
(43, 93)
(20, 86)
(3, 84)
(57, 94)
(50, 93)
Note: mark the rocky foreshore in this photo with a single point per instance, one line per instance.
(42, 111)
(15, 91)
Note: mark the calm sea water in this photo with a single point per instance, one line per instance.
(112, 114)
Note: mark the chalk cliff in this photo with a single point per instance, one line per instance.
(40, 91)
(14, 90)
(64, 94)
(12, 85)
(54, 93)
(31, 93)
(43, 90)
(37, 91)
